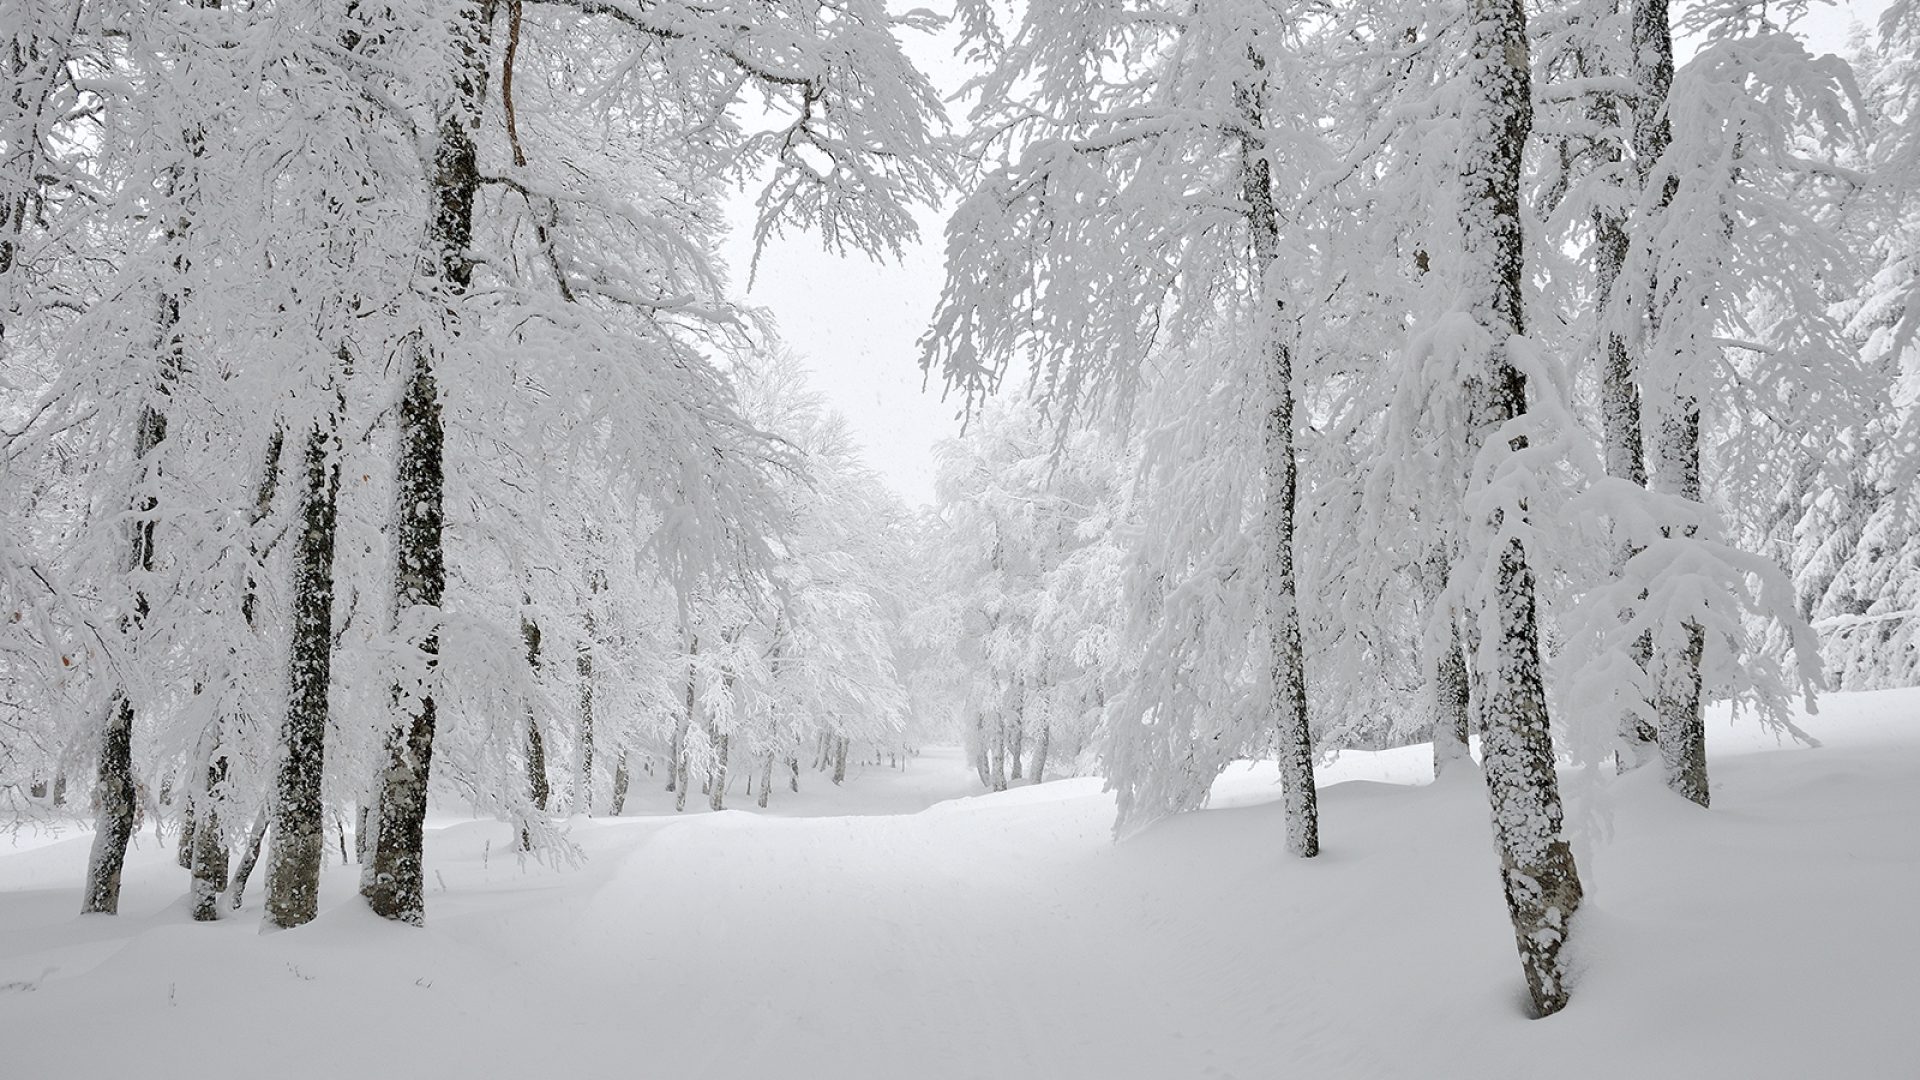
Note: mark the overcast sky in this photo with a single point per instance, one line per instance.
(856, 322)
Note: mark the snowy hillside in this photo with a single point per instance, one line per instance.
(899, 927)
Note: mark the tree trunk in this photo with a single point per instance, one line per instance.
(1450, 705)
(249, 855)
(209, 862)
(766, 780)
(113, 823)
(717, 777)
(420, 578)
(1679, 703)
(793, 769)
(840, 759)
(620, 779)
(395, 885)
(1017, 739)
(583, 666)
(299, 832)
(982, 751)
(1039, 751)
(538, 789)
(183, 853)
(1537, 869)
(1676, 469)
(679, 785)
(1279, 600)
(998, 754)
(114, 791)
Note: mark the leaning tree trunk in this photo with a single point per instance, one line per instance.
(1537, 869)
(299, 831)
(249, 855)
(1279, 599)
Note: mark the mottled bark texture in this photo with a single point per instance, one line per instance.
(249, 855)
(113, 822)
(583, 668)
(1536, 865)
(620, 781)
(208, 847)
(1676, 442)
(1280, 598)
(299, 827)
(113, 785)
(395, 885)
(538, 790)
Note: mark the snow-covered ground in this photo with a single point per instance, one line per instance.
(905, 927)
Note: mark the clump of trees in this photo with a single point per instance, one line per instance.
(378, 420)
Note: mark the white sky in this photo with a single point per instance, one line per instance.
(856, 322)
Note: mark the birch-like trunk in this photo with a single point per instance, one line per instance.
(1280, 600)
(1537, 869)
(299, 832)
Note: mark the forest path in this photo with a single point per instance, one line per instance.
(891, 929)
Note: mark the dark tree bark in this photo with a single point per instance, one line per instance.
(620, 779)
(113, 823)
(114, 790)
(1537, 869)
(209, 856)
(249, 855)
(583, 667)
(1280, 598)
(299, 833)
(396, 884)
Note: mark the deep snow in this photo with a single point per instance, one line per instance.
(904, 927)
